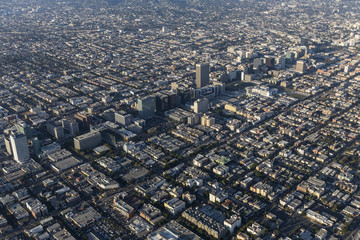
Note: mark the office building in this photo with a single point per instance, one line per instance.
(162, 102)
(300, 66)
(58, 132)
(84, 119)
(24, 128)
(290, 56)
(257, 63)
(166, 100)
(123, 118)
(193, 119)
(281, 61)
(87, 140)
(8, 145)
(210, 91)
(184, 95)
(202, 75)
(146, 107)
(207, 120)
(55, 129)
(201, 105)
(70, 126)
(19, 147)
(270, 62)
(36, 146)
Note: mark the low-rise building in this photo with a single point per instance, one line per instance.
(319, 218)
(173, 230)
(205, 222)
(218, 196)
(175, 206)
(151, 214)
(124, 208)
(85, 217)
(18, 211)
(321, 234)
(233, 222)
(255, 229)
(139, 226)
(36, 208)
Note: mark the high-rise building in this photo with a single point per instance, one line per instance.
(55, 129)
(20, 148)
(290, 55)
(202, 75)
(87, 140)
(123, 118)
(242, 76)
(146, 107)
(248, 55)
(201, 105)
(269, 62)
(70, 126)
(184, 95)
(281, 61)
(162, 102)
(257, 63)
(166, 100)
(300, 66)
(8, 145)
(194, 119)
(23, 128)
(36, 145)
(207, 120)
(84, 119)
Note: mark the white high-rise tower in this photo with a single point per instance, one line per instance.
(20, 148)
